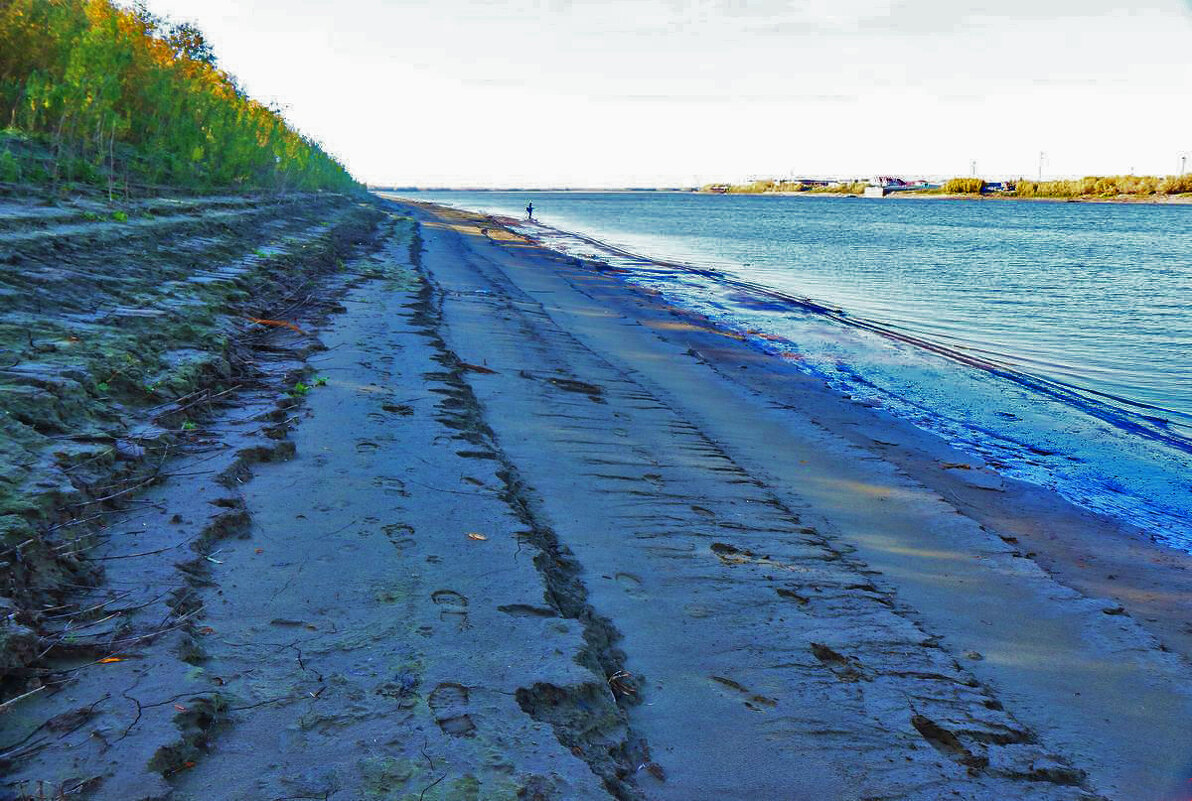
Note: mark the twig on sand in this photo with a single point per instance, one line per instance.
(88, 610)
(152, 478)
(115, 645)
(81, 521)
(4, 706)
(135, 720)
(432, 770)
(142, 707)
(206, 398)
(81, 715)
(429, 786)
(266, 702)
(124, 491)
(440, 489)
(18, 546)
(142, 553)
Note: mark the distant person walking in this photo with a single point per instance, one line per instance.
(530, 211)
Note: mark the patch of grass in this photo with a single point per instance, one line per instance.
(851, 188)
(964, 186)
(1107, 186)
(1175, 185)
(771, 186)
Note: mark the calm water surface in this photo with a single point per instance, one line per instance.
(1054, 339)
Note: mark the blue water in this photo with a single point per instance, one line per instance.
(1052, 339)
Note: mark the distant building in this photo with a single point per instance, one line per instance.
(882, 185)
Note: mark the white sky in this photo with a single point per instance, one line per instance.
(675, 92)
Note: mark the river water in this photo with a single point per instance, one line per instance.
(1053, 340)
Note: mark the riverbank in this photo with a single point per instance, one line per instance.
(122, 325)
(927, 194)
(531, 532)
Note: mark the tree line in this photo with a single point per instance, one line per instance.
(120, 95)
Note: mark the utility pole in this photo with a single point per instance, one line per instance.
(1042, 155)
(1183, 163)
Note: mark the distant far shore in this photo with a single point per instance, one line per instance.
(1093, 188)
(903, 194)
(556, 189)
(1153, 200)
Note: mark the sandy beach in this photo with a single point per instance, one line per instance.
(530, 532)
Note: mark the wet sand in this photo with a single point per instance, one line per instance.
(538, 535)
(1083, 656)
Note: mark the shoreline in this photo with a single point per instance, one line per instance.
(1161, 514)
(1171, 200)
(962, 476)
(530, 531)
(1093, 556)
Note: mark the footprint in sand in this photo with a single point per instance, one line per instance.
(449, 704)
(452, 607)
(391, 485)
(631, 584)
(526, 610)
(402, 409)
(752, 700)
(401, 535)
(845, 668)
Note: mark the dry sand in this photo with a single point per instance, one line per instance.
(544, 537)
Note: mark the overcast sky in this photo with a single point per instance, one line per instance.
(674, 92)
